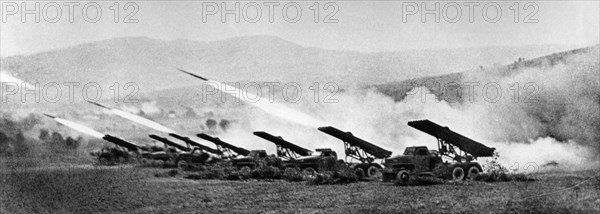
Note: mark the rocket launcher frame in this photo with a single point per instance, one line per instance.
(196, 144)
(170, 143)
(446, 136)
(357, 148)
(122, 143)
(223, 146)
(284, 148)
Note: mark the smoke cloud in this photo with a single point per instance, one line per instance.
(552, 114)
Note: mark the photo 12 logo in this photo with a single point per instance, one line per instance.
(453, 12)
(71, 11)
(270, 11)
(53, 92)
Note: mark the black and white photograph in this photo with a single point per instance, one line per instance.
(307, 106)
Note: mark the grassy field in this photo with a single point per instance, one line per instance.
(138, 190)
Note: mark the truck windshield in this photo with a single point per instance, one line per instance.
(409, 151)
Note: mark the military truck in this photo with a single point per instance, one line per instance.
(227, 150)
(324, 159)
(164, 156)
(453, 160)
(124, 152)
(361, 150)
(199, 155)
(294, 156)
(251, 161)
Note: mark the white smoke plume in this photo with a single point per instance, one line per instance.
(80, 128)
(562, 126)
(276, 109)
(7, 78)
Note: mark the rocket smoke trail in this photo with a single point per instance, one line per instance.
(137, 119)
(150, 124)
(7, 78)
(78, 127)
(275, 109)
(81, 128)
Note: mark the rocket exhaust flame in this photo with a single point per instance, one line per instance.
(78, 127)
(275, 109)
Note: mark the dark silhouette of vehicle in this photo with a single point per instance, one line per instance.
(458, 150)
(361, 150)
(251, 161)
(227, 150)
(294, 156)
(124, 152)
(199, 155)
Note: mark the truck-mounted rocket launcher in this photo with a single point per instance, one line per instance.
(451, 143)
(284, 148)
(122, 143)
(196, 144)
(360, 150)
(224, 147)
(357, 148)
(170, 143)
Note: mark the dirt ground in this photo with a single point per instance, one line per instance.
(138, 190)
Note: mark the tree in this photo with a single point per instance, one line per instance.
(211, 124)
(224, 124)
(44, 135)
(71, 143)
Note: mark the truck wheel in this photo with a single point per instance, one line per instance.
(309, 172)
(360, 172)
(372, 171)
(103, 161)
(472, 172)
(183, 165)
(246, 169)
(458, 173)
(402, 176)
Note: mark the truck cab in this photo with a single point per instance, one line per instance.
(416, 159)
(251, 161)
(196, 157)
(323, 159)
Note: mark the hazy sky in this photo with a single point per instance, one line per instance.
(362, 25)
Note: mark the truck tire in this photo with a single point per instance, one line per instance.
(458, 173)
(359, 171)
(246, 169)
(372, 171)
(183, 165)
(309, 172)
(402, 176)
(472, 172)
(103, 161)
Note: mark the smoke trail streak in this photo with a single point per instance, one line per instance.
(7, 78)
(79, 127)
(136, 119)
(275, 109)
(143, 121)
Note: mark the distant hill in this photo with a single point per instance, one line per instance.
(398, 89)
(151, 63)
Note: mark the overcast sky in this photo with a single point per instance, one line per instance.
(362, 25)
